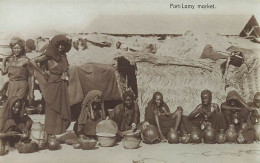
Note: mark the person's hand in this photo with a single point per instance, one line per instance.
(133, 127)
(6, 58)
(145, 124)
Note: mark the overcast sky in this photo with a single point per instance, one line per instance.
(31, 16)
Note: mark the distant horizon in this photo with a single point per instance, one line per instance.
(29, 17)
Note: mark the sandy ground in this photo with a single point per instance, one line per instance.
(156, 153)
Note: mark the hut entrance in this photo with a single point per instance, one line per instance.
(127, 75)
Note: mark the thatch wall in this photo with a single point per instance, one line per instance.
(181, 81)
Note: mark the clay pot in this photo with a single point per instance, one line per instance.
(185, 139)
(28, 147)
(173, 136)
(195, 135)
(257, 131)
(209, 134)
(231, 134)
(240, 138)
(54, 144)
(150, 135)
(131, 142)
(221, 137)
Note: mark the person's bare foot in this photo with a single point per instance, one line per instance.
(163, 140)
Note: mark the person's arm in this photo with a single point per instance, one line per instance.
(156, 117)
(5, 67)
(9, 134)
(103, 113)
(225, 106)
(195, 112)
(34, 63)
(31, 82)
(227, 113)
(137, 114)
(4, 88)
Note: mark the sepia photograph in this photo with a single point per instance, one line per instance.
(129, 81)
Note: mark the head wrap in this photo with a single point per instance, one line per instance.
(53, 49)
(19, 41)
(257, 96)
(6, 112)
(233, 95)
(85, 106)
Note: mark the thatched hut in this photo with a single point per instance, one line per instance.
(182, 80)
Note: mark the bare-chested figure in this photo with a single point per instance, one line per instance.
(21, 78)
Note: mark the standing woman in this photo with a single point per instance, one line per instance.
(54, 88)
(21, 78)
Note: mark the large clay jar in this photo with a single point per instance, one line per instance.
(173, 136)
(231, 133)
(221, 137)
(240, 138)
(195, 135)
(209, 134)
(150, 135)
(54, 144)
(257, 131)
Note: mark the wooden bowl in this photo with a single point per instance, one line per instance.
(87, 144)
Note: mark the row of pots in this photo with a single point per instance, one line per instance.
(209, 136)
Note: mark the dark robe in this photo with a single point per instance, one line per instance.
(243, 115)
(55, 91)
(10, 123)
(85, 124)
(125, 117)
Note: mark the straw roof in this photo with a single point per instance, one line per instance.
(182, 80)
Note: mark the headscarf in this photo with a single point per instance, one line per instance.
(6, 111)
(233, 95)
(152, 101)
(151, 106)
(53, 49)
(257, 96)
(86, 105)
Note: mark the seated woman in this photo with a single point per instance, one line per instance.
(126, 115)
(13, 121)
(157, 113)
(204, 113)
(255, 109)
(92, 112)
(236, 112)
